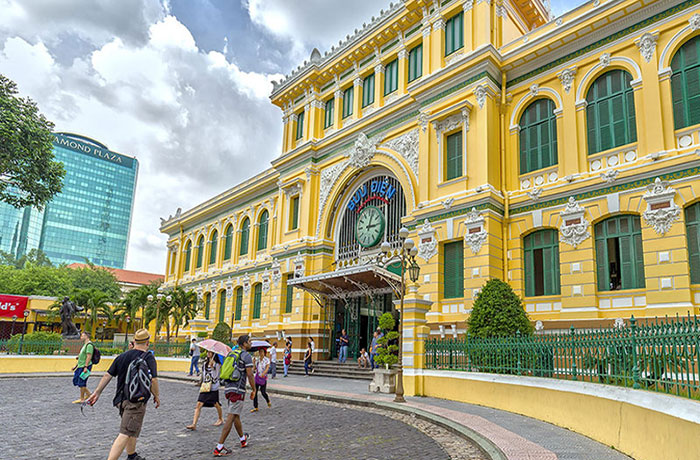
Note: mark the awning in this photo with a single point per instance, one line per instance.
(358, 281)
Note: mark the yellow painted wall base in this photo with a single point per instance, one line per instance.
(50, 364)
(617, 417)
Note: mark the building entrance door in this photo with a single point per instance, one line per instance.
(359, 316)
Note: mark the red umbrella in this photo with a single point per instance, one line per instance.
(215, 346)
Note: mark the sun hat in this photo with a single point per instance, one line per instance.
(141, 336)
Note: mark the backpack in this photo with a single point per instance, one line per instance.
(96, 355)
(229, 370)
(137, 386)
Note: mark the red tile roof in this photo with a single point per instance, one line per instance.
(128, 276)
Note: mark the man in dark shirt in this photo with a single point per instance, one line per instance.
(132, 413)
(344, 342)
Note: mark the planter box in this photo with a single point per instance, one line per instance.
(384, 381)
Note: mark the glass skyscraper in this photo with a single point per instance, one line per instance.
(91, 217)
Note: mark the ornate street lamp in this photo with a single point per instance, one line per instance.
(24, 331)
(14, 320)
(409, 251)
(126, 338)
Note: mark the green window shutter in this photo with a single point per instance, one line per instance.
(222, 306)
(453, 270)
(685, 84)
(213, 247)
(610, 114)
(300, 125)
(294, 213)
(262, 231)
(188, 256)
(330, 106)
(626, 261)
(601, 258)
(245, 231)
(257, 300)
(348, 95)
(200, 252)
(453, 155)
(207, 304)
(640, 280)
(391, 77)
(239, 304)
(541, 250)
(454, 33)
(538, 136)
(228, 242)
(625, 234)
(415, 63)
(692, 222)
(368, 91)
(289, 297)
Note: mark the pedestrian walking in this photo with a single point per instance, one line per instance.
(273, 360)
(287, 357)
(308, 364)
(363, 360)
(344, 342)
(374, 347)
(137, 380)
(236, 370)
(82, 369)
(209, 390)
(194, 354)
(313, 345)
(262, 367)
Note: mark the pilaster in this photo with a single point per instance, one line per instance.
(403, 70)
(567, 132)
(438, 44)
(357, 94)
(649, 127)
(427, 51)
(468, 8)
(338, 108)
(414, 332)
(482, 23)
(378, 85)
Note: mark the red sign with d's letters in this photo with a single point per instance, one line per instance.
(12, 305)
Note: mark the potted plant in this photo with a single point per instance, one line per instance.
(384, 379)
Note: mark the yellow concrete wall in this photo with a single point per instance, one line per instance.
(49, 364)
(632, 428)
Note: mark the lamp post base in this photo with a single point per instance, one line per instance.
(399, 387)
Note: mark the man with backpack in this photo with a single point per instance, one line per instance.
(235, 372)
(84, 366)
(136, 374)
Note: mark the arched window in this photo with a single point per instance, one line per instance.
(222, 306)
(188, 257)
(685, 84)
(610, 115)
(692, 232)
(228, 242)
(239, 304)
(213, 246)
(262, 231)
(542, 263)
(207, 304)
(245, 231)
(538, 136)
(200, 251)
(257, 300)
(619, 254)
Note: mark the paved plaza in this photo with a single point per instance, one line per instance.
(41, 422)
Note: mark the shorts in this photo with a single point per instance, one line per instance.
(77, 381)
(236, 407)
(132, 418)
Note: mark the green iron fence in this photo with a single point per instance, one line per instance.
(17, 346)
(661, 355)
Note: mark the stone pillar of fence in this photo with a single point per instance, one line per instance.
(415, 331)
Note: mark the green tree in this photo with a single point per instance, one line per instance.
(94, 277)
(388, 348)
(185, 307)
(222, 333)
(160, 310)
(498, 312)
(95, 304)
(35, 257)
(30, 176)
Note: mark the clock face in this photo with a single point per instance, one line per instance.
(369, 228)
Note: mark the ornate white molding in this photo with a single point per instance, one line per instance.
(447, 203)
(476, 234)
(427, 241)
(661, 210)
(535, 193)
(647, 44)
(407, 146)
(229, 287)
(362, 152)
(605, 60)
(501, 10)
(439, 24)
(534, 89)
(609, 176)
(566, 77)
(423, 121)
(379, 68)
(468, 5)
(574, 227)
(276, 276)
(694, 22)
(329, 177)
(452, 122)
(292, 189)
(266, 281)
(480, 94)
(299, 266)
(246, 284)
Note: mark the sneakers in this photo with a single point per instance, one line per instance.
(136, 457)
(244, 443)
(223, 452)
(254, 409)
(269, 404)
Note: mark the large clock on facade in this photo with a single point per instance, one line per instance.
(369, 228)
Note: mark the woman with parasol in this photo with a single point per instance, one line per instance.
(209, 389)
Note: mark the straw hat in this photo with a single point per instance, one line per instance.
(142, 336)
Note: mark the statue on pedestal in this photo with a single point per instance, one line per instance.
(68, 309)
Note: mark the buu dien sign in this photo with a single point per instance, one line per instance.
(377, 189)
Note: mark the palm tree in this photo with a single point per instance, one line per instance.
(128, 308)
(95, 303)
(162, 310)
(185, 306)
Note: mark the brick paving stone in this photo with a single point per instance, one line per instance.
(40, 422)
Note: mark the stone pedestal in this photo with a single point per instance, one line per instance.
(384, 381)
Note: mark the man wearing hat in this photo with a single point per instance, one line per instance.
(132, 413)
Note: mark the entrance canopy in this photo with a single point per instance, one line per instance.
(350, 282)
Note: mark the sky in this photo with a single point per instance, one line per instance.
(182, 85)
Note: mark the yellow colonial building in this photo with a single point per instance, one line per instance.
(559, 154)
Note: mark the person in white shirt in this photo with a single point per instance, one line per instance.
(363, 360)
(273, 360)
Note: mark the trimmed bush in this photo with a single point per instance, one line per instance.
(498, 312)
(39, 343)
(222, 333)
(387, 353)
